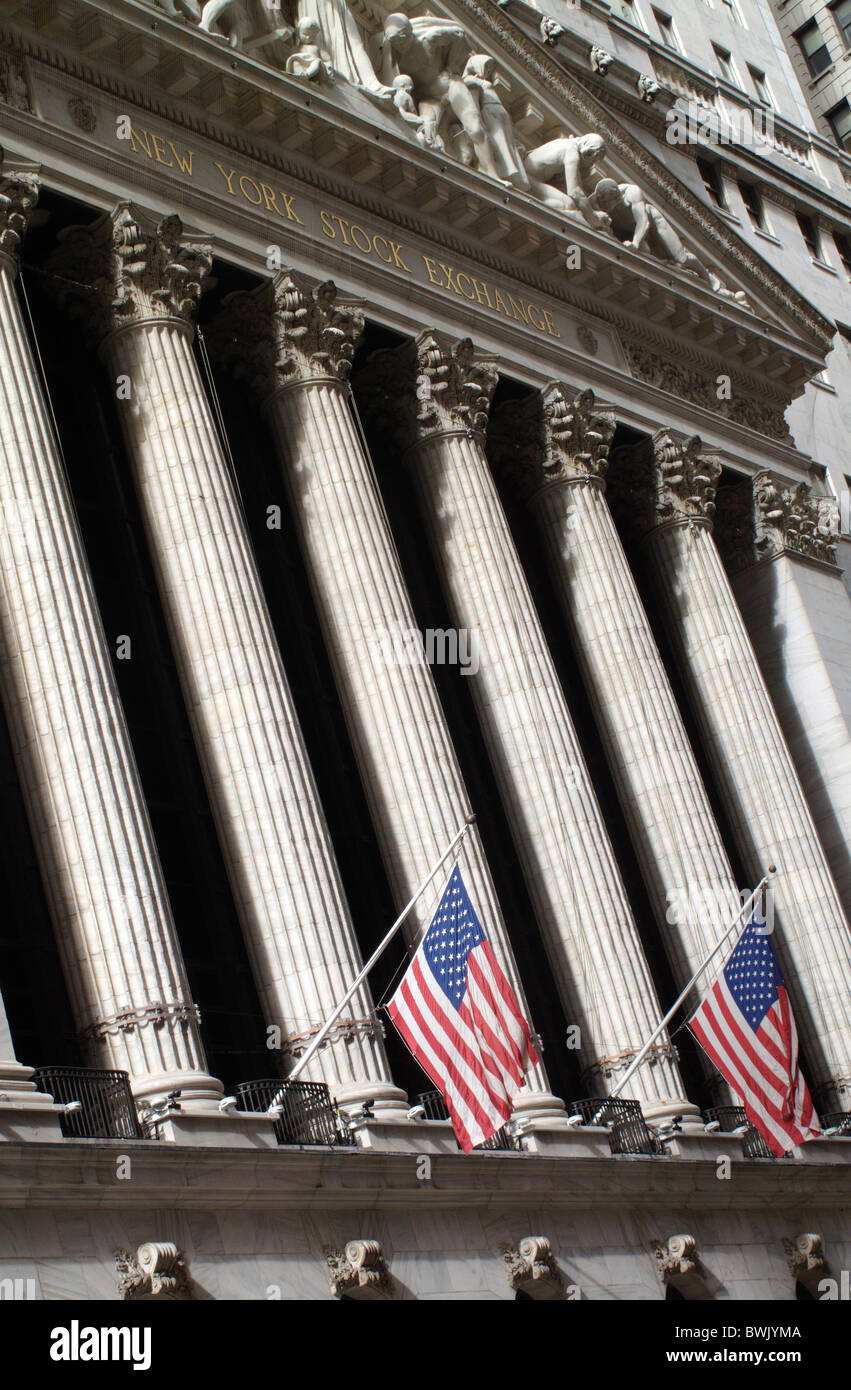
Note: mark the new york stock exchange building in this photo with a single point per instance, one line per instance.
(390, 437)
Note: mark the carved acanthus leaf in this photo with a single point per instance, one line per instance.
(531, 1262)
(114, 272)
(685, 478)
(360, 1266)
(577, 433)
(454, 385)
(18, 197)
(791, 519)
(157, 1270)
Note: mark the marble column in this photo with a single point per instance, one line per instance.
(779, 546)
(303, 341)
(667, 490)
(439, 393)
(102, 877)
(286, 884)
(553, 450)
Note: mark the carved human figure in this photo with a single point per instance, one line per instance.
(403, 100)
(575, 158)
(434, 53)
(189, 9)
(310, 60)
(638, 222)
(245, 24)
(345, 43)
(505, 161)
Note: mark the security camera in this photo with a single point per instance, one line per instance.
(226, 1104)
(416, 1112)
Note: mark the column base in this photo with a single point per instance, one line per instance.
(25, 1113)
(197, 1090)
(389, 1104)
(686, 1110)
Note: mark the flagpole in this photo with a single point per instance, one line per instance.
(332, 1018)
(639, 1058)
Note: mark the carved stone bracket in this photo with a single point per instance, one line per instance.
(647, 87)
(764, 416)
(677, 1258)
(531, 1267)
(18, 197)
(14, 87)
(361, 1266)
(289, 330)
(600, 60)
(550, 30)
(805, 1254)
(791, 519)
(114, 272)
(157, 1270)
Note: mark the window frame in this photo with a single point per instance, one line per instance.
(813, 26)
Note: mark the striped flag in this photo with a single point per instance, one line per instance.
(459, 1016)
(745, 1026)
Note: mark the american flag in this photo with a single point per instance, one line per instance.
(745, 1026)
(459, 1016)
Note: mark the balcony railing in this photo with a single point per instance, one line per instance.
(435, 1109)
(628, 1129)
(106, 1106)
(839, 1120)
(732, 1117)
(307, 1114)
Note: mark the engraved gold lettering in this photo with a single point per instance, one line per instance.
(228, 178)
(327, 229)
(397, 256)
(342, 224)
(143, 137)
(462, 275)
(255, 202)
(536, 323)
(431, 270)
(292, 215)
(382, 255)
(354, 233)
(501, 304)
(518, 309)
(482, 292)
(184, 161)
(450, 277)
(159, 151)
(548, 320)
(269, 198)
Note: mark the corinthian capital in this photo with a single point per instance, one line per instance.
(18, 197)
(577, 434)
(454, 385)
(427, 388)
(288, 330)
(115, 273)
(685, 478)
(791, 519)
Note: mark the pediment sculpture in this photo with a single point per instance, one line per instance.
(426, 74)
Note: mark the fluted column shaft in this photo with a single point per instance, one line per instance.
(104, 884)
(762, 793)
(667, 812)
(286, 884)
(408, 766)
(588, 929)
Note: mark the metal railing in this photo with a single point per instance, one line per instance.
(307, 1114)
(840, 1120)
(628, 1130)
(732, 1117)
(106, 1110)
(435, 1109)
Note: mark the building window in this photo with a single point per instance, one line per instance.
(843, 246)
(712, 181)
(840, 124)
(812, 45)
(842, 15)
(810, 233)
(753, 202)
(732, 10)
(760, 85)
(725, 63)
(666, 30)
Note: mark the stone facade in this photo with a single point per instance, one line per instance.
(397, 437)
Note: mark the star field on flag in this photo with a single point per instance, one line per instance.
(461, 1020)
(745, 1026)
